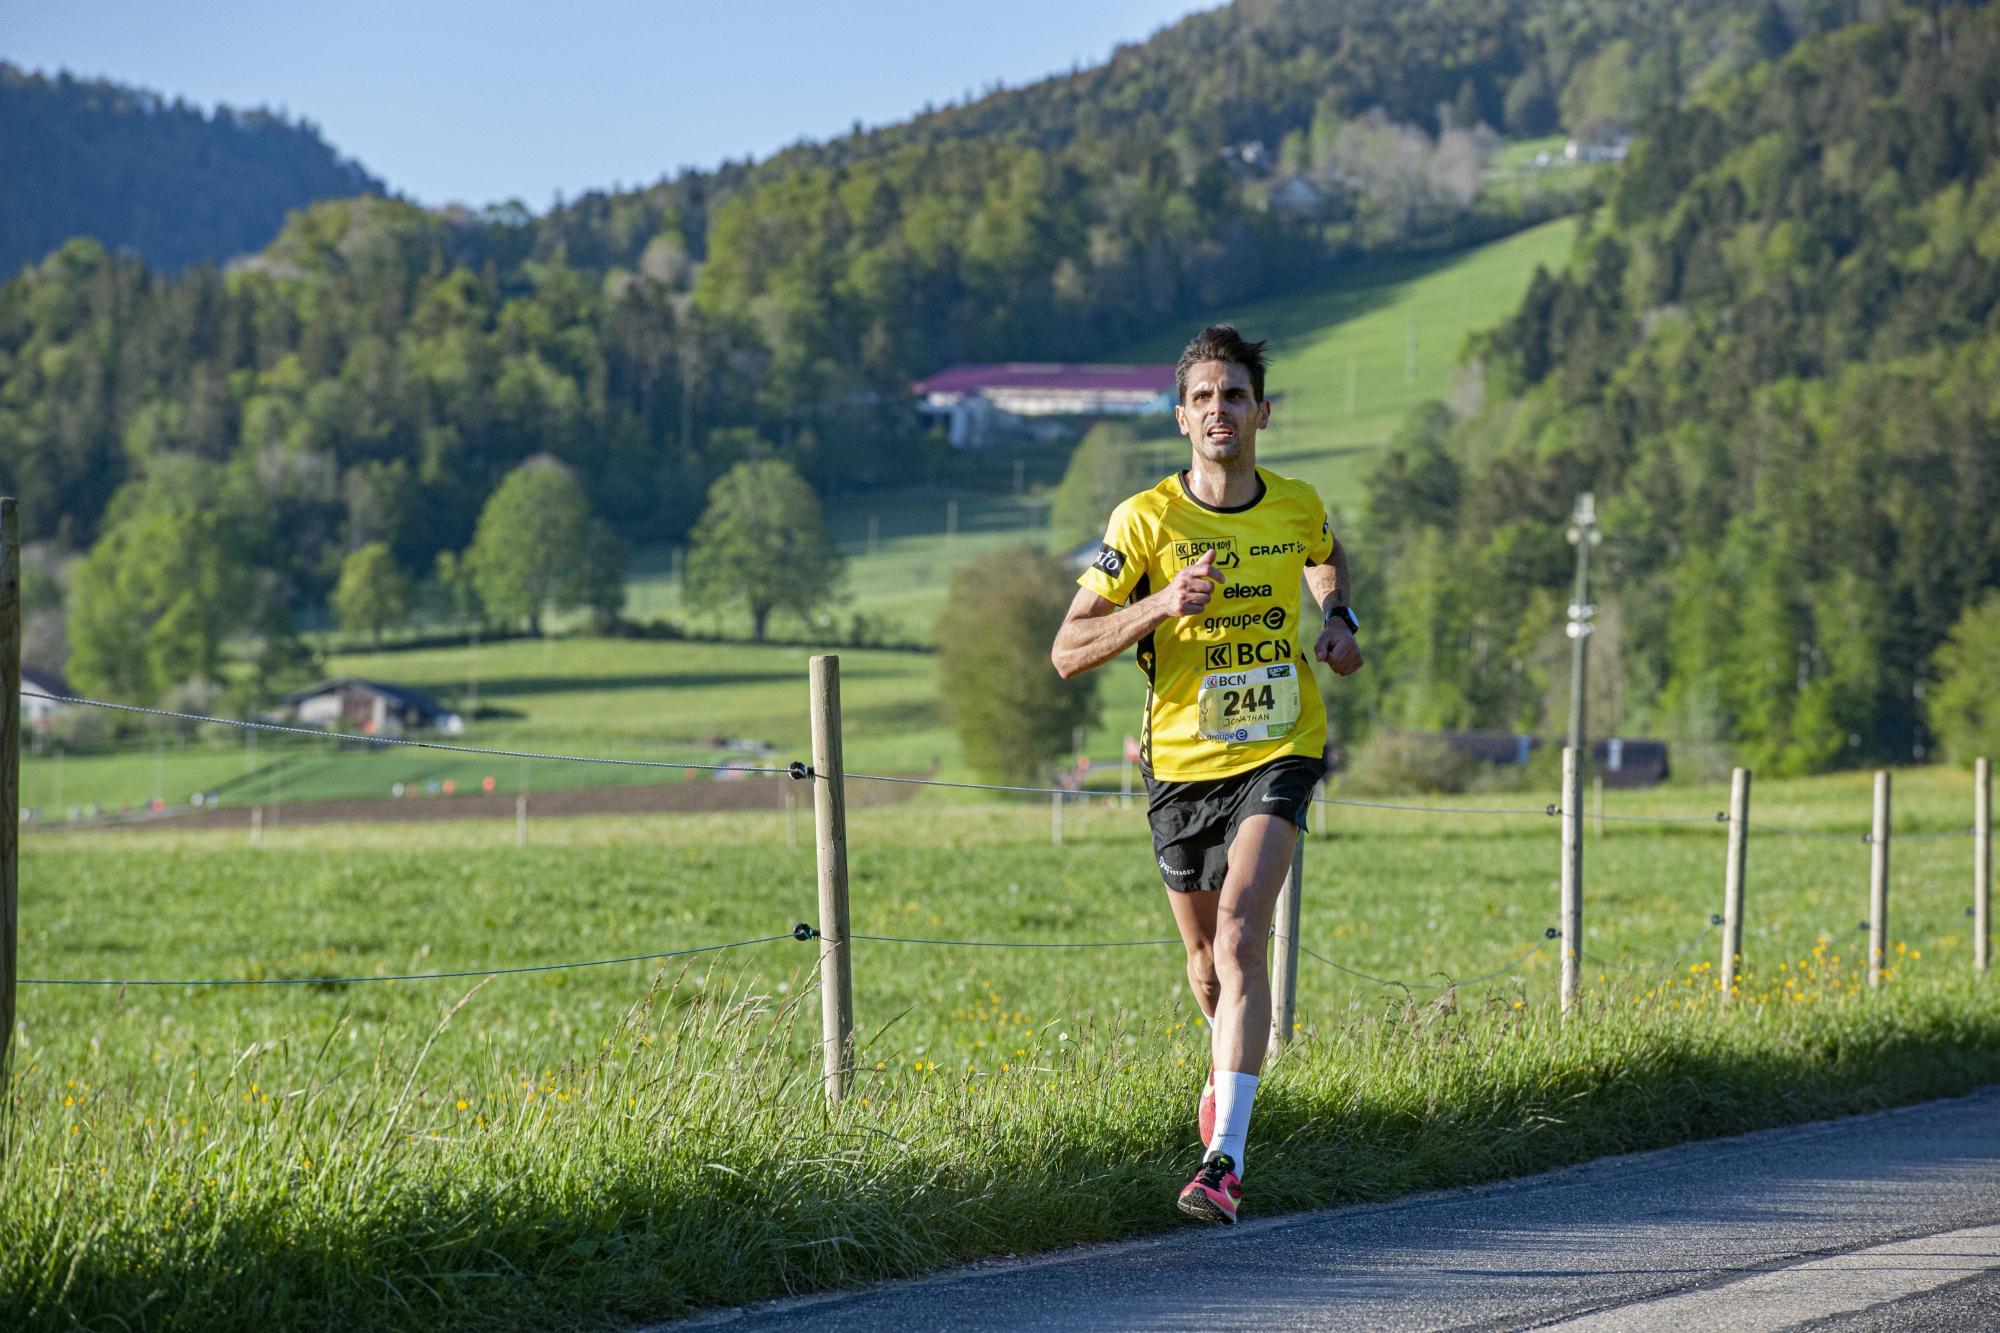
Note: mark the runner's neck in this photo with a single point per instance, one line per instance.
(1231, 485)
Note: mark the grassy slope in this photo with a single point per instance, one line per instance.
(637, 699)
(1365, 320)
(227, 1209)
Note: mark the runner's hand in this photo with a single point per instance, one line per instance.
(1337, 648)
(1188, 594)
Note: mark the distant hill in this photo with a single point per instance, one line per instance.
(377, 368)
(1772, 358)
(174, 183)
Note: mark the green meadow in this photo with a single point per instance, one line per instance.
(645, 1138)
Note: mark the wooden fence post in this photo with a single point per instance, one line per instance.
(1982, 864)
(1572, 875)
(836, 964)
(1732, 880)
(1285, 956)
(521, 809)
(10, 765)
(1055, 818)
(1878, 882)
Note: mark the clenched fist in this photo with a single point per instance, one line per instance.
(1190, 590)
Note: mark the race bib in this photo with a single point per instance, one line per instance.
(1255, 704)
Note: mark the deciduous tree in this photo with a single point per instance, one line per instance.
(530, 543)
(152, 603)
(762, 542)
(373, 591)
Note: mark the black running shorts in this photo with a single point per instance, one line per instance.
(1194, 822)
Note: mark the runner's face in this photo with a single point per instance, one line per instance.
(1220, 414)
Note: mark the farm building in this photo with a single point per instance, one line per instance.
(37, 714)
(991, 402)
(1619, 761)
(370, 708)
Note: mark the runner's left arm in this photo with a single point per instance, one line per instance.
(1327, 579)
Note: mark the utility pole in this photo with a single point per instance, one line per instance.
(1583, 535)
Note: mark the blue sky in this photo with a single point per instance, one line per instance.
(481, 102)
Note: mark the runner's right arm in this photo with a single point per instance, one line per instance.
(1095, 631)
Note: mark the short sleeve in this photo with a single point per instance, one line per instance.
(1120, 564)
(1319, 546)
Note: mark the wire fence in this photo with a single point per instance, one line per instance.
(806, 933)
(802, 771)
(419, 976)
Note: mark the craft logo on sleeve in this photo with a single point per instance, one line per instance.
(1228, 551)
(1110, 561)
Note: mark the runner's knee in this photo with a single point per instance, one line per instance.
(1238, 953)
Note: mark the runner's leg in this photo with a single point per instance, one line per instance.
(1259, 859)
(1194, 913)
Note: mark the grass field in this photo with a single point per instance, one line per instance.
(615, 698)
(277, 1156)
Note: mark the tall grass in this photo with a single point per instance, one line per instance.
(691, 1160)
(554, 1156)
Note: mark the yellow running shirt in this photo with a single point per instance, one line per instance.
(1231, 688)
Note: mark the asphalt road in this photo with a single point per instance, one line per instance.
(1879, 1224)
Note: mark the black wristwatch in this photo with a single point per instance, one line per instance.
(1345, 615)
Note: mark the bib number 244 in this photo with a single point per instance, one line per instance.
(1258, 704)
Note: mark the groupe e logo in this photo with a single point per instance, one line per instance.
(1272, 619)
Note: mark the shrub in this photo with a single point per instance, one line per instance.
(1402, 762)
(1013, 713)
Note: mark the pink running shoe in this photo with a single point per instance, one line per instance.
(1204, 1110)
(1215, 1192)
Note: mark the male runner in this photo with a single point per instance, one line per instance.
(1202, 573)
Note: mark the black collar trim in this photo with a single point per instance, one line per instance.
(1252, 503)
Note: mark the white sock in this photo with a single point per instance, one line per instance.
(1233, 1094)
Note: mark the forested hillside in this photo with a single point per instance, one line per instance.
(177, 185)
(375, 372)
(1773, 358)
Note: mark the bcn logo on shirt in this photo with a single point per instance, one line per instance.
(1227, 554)
(1222, 656)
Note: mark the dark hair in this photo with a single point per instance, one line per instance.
(1221, 342)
